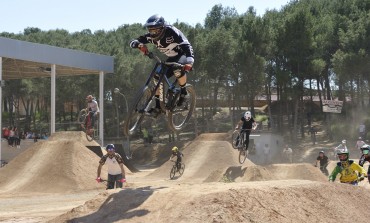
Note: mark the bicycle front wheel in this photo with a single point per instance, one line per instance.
(235, 139)
(173, 172)
(142, 103)
(82, 116)
(243, 154)
(179, 116)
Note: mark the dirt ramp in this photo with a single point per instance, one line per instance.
(214, 137)
(202, 159)
(77, 136)
(246, 173)
(301, 171)
(51, 167)
(61, 164)
(263, 201)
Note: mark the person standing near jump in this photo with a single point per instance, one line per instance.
(116, 171)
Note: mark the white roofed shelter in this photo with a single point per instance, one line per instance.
(20, 59)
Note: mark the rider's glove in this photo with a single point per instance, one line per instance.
(187, 67)
(98, 179)
(361, 178)
(144, 49)
(134, 43)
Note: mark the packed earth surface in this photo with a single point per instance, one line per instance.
(54, 181)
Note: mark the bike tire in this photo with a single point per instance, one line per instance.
(182, 169)
(82, 116)
(243, 154)
(173, 172)
(91, 132)
(137, 111)
(234, 139)
(178, 117)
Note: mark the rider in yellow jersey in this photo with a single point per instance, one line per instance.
(350, 172)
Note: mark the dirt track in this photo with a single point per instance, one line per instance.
(54, 181)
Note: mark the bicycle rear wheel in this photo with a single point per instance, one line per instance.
(143, 102)
(182, 169)
(178, 117)
(243, 154)
(173, 172)
(91, 131)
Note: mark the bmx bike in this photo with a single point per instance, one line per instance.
(84, 118)
(238, 142)
(175, 170)
(144, 101)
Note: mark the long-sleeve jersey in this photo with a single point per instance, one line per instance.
(348, 174)
(174, 44)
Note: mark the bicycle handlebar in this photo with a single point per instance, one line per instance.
(156, 58)
(123, 180)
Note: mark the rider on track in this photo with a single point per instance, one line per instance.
(171, 42)
(178, 154)
(365, 157)
(247, 123)
(323, 160)
(350, 171)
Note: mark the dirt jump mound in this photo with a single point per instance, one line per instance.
(62, 163)
(206, 158)
(263, 201)
(302, 171)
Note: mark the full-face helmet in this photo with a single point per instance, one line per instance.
(156, 27)
(175, 149)
(343, 154)
(247, 115)
(365, 149)
(110, 147)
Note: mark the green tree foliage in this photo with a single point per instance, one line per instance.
(308, 48)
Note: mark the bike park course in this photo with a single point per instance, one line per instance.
(54, 181)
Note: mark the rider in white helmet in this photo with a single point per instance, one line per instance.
(247, 122)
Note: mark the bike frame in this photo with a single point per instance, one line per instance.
(161, 69)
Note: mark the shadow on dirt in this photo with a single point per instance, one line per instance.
(113, 208)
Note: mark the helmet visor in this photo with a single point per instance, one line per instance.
(342, 156)
(155, 31)
(365, 151)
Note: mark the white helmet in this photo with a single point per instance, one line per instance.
(344, 141)
(247, 115)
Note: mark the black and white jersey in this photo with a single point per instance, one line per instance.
(174, 44)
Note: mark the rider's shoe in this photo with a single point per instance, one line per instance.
(154, 112)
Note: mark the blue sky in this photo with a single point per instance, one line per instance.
(76, 15)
